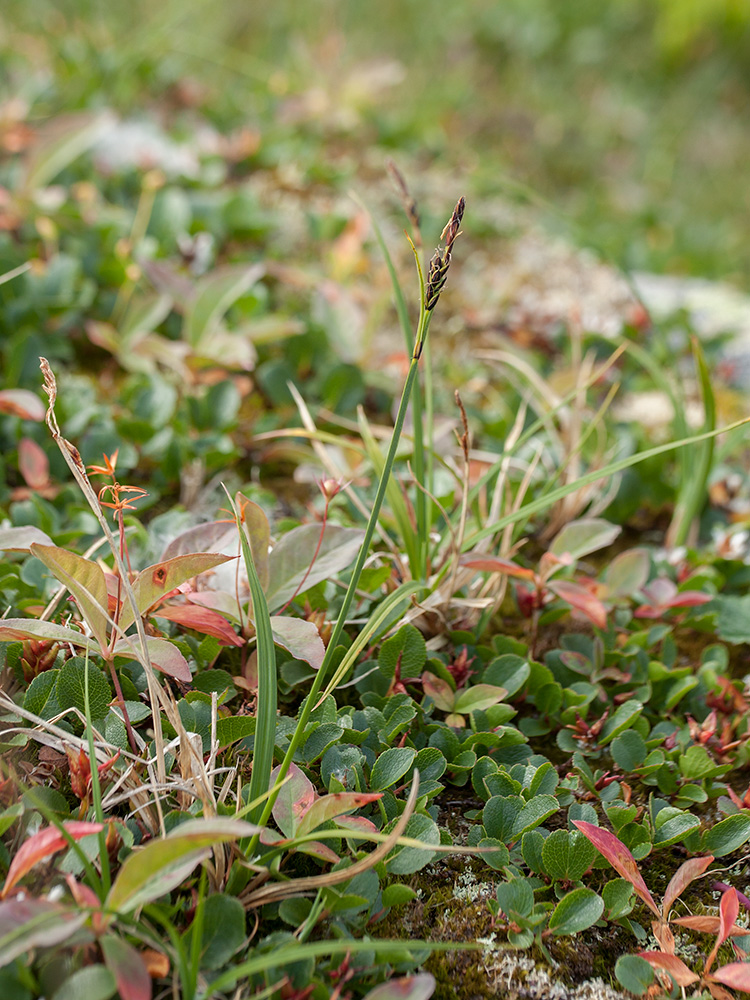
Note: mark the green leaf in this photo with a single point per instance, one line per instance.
(634, 973)
(622, 719)
(587, 534)
(431, 763)
(292, 556)
(222, 930)
(545, 780)
(727, 836)
(499, 816)
(618, 898)
(534, 813)
(678, 690)
(15, 629)
(85, 581)
(531, 848)
(627, 573)
(406, 648)
(234, 728)
(628, 750)
(397, 894)
(696, 763)
(733, 620)
(391, 765)
(152, 583)
(214, 294)
(674, 826)
(62, 142)
(576, 911)
(516, 898)
(478, 697)
(34, 923)
(499, 857)
(567, 855)
(70, 687)
(160, 866)
(507, 671)
(40, 697)
(407, 860)
(95, 982)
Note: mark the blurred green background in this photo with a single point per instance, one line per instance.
(626, 121)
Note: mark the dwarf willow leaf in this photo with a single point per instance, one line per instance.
(70, 687)
(576, 911)
(390, 766)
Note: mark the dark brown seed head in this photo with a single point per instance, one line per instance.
(437, 272)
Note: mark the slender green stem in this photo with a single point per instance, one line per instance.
(96, 790)
(310, 702)
(265, 730)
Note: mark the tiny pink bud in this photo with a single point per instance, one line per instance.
(329, 488)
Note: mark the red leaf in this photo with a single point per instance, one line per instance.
(202, 620)
(439, 690)
(709, 925)
(495, 564)
(682, 878)
(128, 968)
(671, 964)
(22, 403)
(620, 858)
(33, 464)
(729, 908)
(41, 845)
(689, 599)
(736, 975)
(328, 807)
(581, 599)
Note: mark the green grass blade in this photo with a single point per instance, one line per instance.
(265, 731)
(297, 952)
(96, 789)
(535, 506)
(396, 499)
(696, 464)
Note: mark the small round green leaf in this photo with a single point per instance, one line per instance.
(223, 930)
(727, 835)
(95, 982)
(634, 973)
(391, 765)
(576, 911)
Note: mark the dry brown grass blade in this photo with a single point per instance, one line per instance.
(276, 892)
(157, 694)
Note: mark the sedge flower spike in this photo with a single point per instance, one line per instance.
(437, 272)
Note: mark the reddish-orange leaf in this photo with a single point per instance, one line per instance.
(736, 975)
(685, 874)
(729, 908)
(671, 964)
(496, 564)
(128, 968)
(620, 858)
(709, 925)
(582, 600)
(33, 464)
(22, 403)
(202, 620)
(41, 845)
